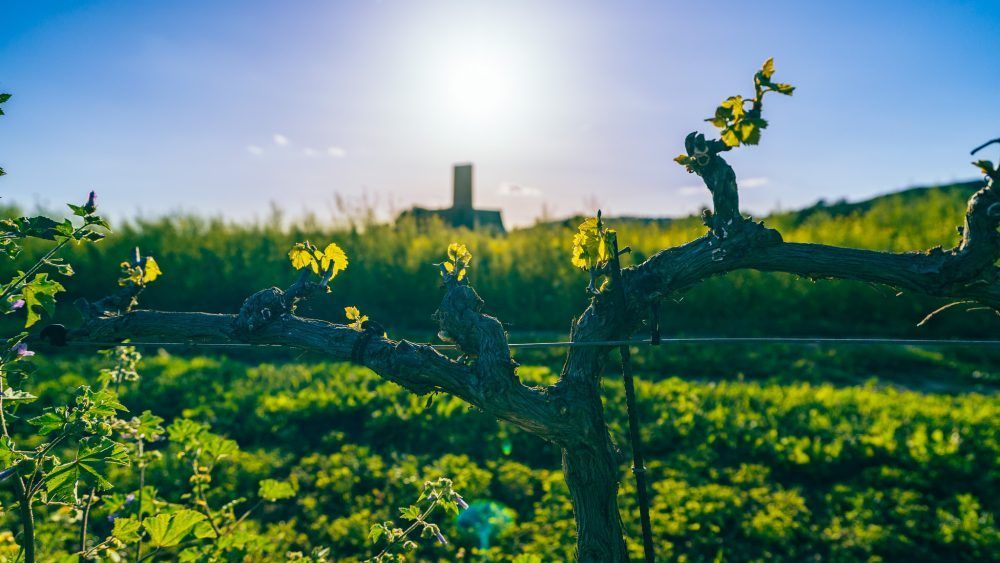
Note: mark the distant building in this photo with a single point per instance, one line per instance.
(462, 213)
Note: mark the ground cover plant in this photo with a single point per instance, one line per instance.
(742, 470)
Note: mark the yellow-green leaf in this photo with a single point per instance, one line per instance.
(767, 70)
(126, 529)
(151, 271)
(357, 319)
(591, 245)
(301, 256)
(750, 130)
(729, 137)
(334, 259)
(785, 89)
(272, 490)
(734, 105)
(458, 260)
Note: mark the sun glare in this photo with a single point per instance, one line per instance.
(477, 89)
(470, 87)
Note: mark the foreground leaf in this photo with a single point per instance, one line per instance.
(167, 530)
(90, 466)
(126, 530)
(272, 490)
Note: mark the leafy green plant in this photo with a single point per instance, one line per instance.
(737, 123)
(32, 289)
(593, 246)
(194, 527)
(436, 494)
(357, 319)
(877, 468)
(78, 446)
(140, 271)
(144, 524)
(326, 263)
(456, 264)
(39, 473)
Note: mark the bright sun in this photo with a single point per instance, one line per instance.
(473, 87)
(477, 89)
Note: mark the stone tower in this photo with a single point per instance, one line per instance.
(463, 188)
(462, 213)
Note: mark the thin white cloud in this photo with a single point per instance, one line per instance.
(748, 183)
(280, 140)
(255, 150)
(692, 190)
(512, 189)
(336, 152)
(310, 152)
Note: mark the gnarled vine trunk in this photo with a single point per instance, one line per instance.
(592, 474)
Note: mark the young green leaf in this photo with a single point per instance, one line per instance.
(167, 530)
(90, 466)
(457, 262)
(49, 421)
(592, 245)
(737, 125)
(40, 297)
(411, 512)
(334, 259)
(151, 271)
(11, 396)
(184, 430)
(376, 532)
(357, 319)
(272, 490)
(301, 257)
(330, 261)
(126, 530)
(149, 426)
(8, 453)
(767, 69)
(216, 447)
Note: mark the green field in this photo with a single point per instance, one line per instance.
(740, 470)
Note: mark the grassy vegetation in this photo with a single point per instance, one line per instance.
(740, 470)
(526, 278)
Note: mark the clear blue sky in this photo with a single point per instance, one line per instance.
(225, 107)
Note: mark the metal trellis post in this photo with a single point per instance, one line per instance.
(638, 467)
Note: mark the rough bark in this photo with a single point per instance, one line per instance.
(570, 413)
(592, 475)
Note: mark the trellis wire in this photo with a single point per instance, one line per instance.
(711, 340)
